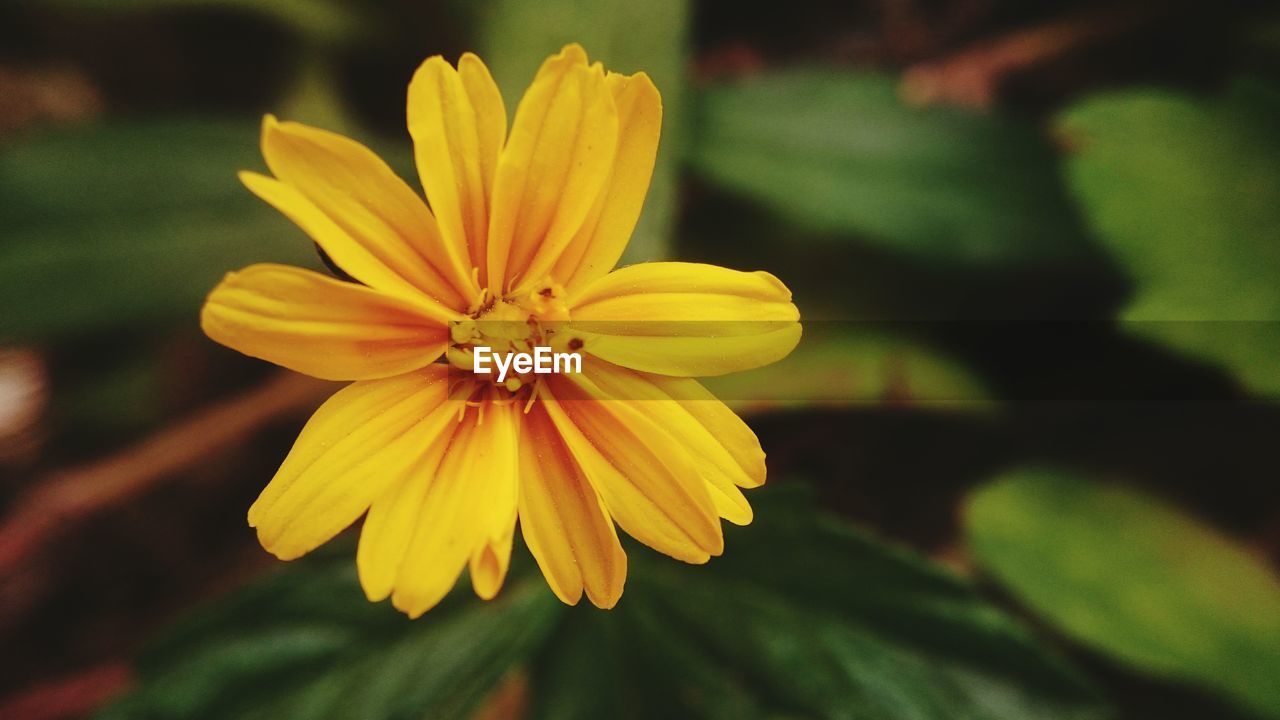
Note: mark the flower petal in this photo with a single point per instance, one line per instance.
(605, 234)
(563, 520)
(468, 495)
(389, 526)
(320, 326)
(360, 441)
(647, 481)
(686, 319)
(378, 229)
(712, 459)
(723, 423)
(490, 561)
(458, 122)
(552, 169)
(393, 516)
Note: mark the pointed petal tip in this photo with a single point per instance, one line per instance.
(414, 608)
(284, 553)
(435, 61)
(257, 511)
(487, 575)
(645, 85)
(470, 58)
(607, 597)
(717, 549)
(784, 292)
(573, 52)
(571, 600)
(733, 506)
(374, 590)
(606, 602)
(269, 123)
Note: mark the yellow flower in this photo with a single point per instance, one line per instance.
(514, 252)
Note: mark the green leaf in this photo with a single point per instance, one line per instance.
(314, 98)
(1185, 193)
(322, 20)
(1134, 578)
(306, 644)
(840, 366)
(129, 224)
(839, 153)
(802, 616)
(627, 37)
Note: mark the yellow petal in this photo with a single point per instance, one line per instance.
(712, 459)
(457, 121)
(467, 495)
(723, 424)
(491, 114)
(500, 495)
(489, 562)
(686, 319)
(394, 514)
(321, 326)
(605, 234)
(378, 229)
(552, 169)
(360, 441)
(563, 520)
(648, 482)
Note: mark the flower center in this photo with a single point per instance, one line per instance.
(503, 328)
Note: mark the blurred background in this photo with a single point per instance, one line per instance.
(1023, 465)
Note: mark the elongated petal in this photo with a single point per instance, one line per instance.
(721, 422)
(553, 168)
(563, 520)
(379, 230)
(713, 461)
(393, 516)
(500, 495)
(605, 234)
(686, 319)
(489, 562)
(471, 489)
(457, 121)
(648, 482)
(320, 326)
(358, 443)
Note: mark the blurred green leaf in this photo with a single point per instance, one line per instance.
(129, 224)
(1134, 578)
(840, 153)
(1185, 193)
(306, 644)
(314, 98)
(801, 615)
(627, 37)
(322, 20)
(863, 365)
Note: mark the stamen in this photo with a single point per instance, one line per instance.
(533, 395)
